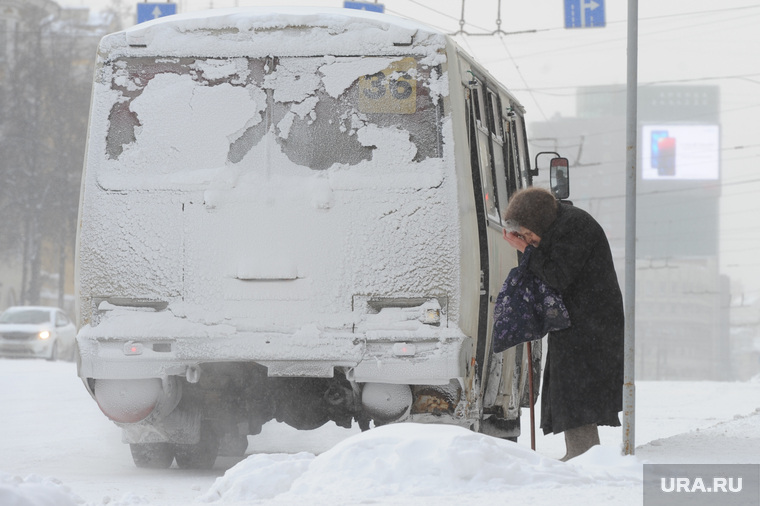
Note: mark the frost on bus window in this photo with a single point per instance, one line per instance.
(181, 111)
(353, 92)
(185, 114)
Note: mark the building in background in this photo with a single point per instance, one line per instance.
(682, 306)
(745, 336)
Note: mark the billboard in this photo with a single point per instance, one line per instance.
(680, 152)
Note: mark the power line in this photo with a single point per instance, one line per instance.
(596, 43)
(522, 77)
(650, 18)
(416, 2)
(745, 77)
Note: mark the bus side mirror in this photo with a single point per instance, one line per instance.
(559, 177)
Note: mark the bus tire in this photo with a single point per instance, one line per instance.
(152, 455)
(200, 455)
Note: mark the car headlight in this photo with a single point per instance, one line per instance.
(45, 334)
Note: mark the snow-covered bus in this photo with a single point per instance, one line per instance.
(294, 215)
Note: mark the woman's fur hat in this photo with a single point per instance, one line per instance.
(532, 208)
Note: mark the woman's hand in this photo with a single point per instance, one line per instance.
(515, 240)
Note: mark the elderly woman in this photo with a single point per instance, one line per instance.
(583, 377)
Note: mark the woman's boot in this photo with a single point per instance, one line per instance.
(579, 440)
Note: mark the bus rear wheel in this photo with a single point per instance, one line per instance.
(200, 455)
(152, 455)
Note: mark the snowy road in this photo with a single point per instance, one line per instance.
(52, 429)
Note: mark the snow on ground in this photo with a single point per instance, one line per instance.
(57, 449)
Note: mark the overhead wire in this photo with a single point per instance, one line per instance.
(744, 77)
(614, 22)
(522, 78)
(622, 39)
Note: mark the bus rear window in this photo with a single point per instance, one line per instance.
(195, 114)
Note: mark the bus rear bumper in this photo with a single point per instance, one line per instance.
(413, 360)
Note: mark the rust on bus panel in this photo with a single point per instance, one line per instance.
(436, 399)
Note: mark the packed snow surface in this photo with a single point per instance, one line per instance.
(60, 450)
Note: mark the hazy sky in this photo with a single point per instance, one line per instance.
(680, 42)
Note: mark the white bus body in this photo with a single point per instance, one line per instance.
(294, 215)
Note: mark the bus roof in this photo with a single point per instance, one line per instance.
(280, 31)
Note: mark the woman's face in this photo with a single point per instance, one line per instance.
(529, 237)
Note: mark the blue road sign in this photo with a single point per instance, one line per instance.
(148, 11)
(584, 13)
(364, 6)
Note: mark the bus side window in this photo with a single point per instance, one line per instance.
(485, 157)
(514, 182)
(517, 170)
(521, 151)
(498, 149)
(476, 106)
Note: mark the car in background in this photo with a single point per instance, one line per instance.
(37, 331)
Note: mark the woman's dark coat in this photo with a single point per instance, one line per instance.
(583, 377)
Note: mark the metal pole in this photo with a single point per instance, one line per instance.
(629, 387)
(530, 392)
